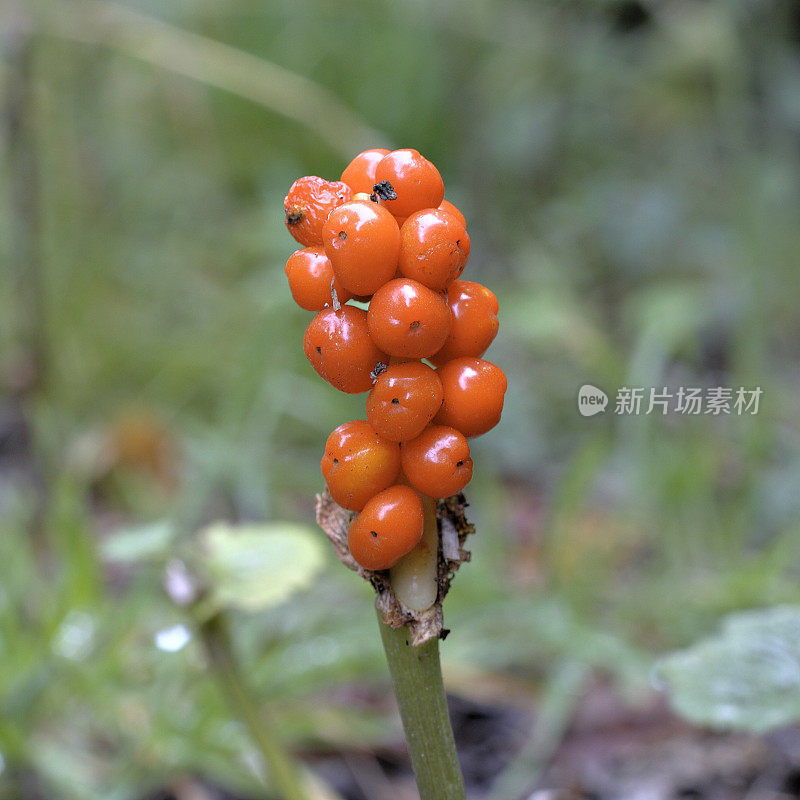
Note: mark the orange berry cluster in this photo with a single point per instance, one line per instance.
(385, 235)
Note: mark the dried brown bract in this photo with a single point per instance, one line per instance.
(453, 532)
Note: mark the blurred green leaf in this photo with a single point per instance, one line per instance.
(140, 543)
(252, 567)
(746, 677)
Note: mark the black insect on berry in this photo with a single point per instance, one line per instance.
(383, 190)
(294, 216)
(380, 368)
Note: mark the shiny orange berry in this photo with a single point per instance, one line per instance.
(362, 241)
(437, 463)
(359, 174)
(404, 399)
(447, 206)
(475, 321)
(434, 248)
(357, 464)
(389, 526)
(310, 277)
(474, 390)
(415, 180)
(408, 319)
(308, 204)
(338, 345)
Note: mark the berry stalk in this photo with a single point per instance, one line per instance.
(417, 680)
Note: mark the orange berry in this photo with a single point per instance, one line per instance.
(474, 390)
(447, 206)
(357, 464)
(415, 180)
(359, 174)
(404, 399)
(408, 319)
(434, 248)
(308, 204)
(389, 526)
(475, 321)
(437, 463)
(338, 345)
(310, 277)
(362, 241)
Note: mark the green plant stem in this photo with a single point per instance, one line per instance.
(20, 118)
(287, 778)
(417, 679)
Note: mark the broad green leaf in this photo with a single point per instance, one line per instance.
(255, 566)
(746, 677)
(142, 543)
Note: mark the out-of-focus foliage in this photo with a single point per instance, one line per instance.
(630, 174)
(746, 677)
(253, 567)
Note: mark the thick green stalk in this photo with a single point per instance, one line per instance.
(286, 776)
(417, 679)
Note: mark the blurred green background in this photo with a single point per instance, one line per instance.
(630, 173)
